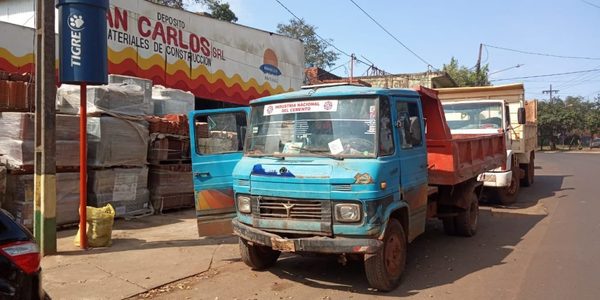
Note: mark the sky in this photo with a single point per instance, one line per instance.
(437, 30)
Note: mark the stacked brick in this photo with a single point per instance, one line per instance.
(17, 92)
(171, 185)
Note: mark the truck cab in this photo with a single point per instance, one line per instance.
(337, 170)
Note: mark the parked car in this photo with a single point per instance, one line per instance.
(595, 143)
(20, 271)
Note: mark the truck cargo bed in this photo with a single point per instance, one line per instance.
(453, 159)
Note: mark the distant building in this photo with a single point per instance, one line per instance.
(428, 79)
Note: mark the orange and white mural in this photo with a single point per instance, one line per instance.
(213, 59)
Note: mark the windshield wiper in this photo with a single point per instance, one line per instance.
(323, 152)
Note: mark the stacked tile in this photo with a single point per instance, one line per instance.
(168, 101)
(17, 141)
(117, 142)
(170, 177)
(19, 198)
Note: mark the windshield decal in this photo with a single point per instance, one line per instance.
(301, 107)
(336, 147)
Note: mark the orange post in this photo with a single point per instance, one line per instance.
(83, 166)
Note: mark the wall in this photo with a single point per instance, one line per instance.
(213, 59)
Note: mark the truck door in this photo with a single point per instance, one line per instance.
(413, 162)
(216, 142)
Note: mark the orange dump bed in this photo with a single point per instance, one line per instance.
(453, 159)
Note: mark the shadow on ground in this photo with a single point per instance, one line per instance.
(545, 186)
(434, 259)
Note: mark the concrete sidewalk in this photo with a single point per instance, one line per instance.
(146, 253)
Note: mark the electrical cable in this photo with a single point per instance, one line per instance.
(546, 75)
(394, 37)
(541, 54)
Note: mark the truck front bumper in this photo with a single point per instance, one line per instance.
(495, 179)
(337, 245)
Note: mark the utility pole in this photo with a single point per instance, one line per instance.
(478, 65)
(352, 57)
(45, 129)
(550, 91)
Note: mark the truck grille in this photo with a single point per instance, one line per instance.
(290, 209)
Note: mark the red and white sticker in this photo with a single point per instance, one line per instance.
(301, 107)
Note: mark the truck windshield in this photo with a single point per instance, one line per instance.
(473, 115)
(326, 127)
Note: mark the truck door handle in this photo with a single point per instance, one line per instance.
(202, 174)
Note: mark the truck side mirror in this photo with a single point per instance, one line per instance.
(521, 115)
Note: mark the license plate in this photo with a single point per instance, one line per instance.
(283, 245)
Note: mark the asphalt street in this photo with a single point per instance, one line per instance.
(546, 246)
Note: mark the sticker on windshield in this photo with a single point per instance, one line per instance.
(336, 147)
(300, 107)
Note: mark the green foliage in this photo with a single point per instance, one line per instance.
(220, 10)
(216, 8)
(572, 116)
(464, 76)
(315, 49)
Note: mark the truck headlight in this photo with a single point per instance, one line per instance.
(243, 204)
(347, 212)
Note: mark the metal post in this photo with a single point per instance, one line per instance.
(352, 68)
(45, 135)
(83, 166)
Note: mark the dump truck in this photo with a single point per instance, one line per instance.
(344, 170)
(477, 110)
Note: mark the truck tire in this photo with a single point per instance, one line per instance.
(508, 195)
(465, 224)
(385, 267)
(529, 170)
(257, 257)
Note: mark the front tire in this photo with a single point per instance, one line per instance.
(384, 268)
(257, 257)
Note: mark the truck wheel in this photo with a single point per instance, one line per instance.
(257, 257)
(508, 195)
(385, 267)
(529, 170)
(465, 223)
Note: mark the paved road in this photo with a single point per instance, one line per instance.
(547, 246)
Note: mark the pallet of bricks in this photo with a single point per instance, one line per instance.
(118, 138)
(17, 150)
(170, 178)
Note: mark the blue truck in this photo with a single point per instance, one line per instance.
(346, 170)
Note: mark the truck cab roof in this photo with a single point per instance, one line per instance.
(335, 91)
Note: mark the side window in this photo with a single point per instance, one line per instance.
(220, 133)
(386, 139)
(409, 124)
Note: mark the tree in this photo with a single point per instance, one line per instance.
(464, 76)
(315, 49)
(217, 9)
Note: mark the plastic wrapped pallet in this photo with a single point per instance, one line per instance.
(17, 139)
(171, 101)
(19, 199)
(124, 188)
(145, 84)
(117, 142)
(218, 142)
(126, 99)
(168, 148)
(171, 179)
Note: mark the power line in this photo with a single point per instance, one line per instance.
(394, 37)
(323, 39)
(541, 54)
(546, 75)
(590, 3)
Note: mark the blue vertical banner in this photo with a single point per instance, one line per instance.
(83, 41)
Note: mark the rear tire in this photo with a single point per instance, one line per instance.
(384, 268)
(529, 170)
(257, 257)
(465, 224)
